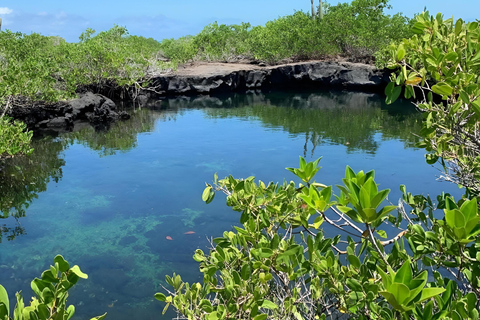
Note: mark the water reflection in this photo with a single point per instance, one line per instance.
(121, 136)
(347, 118)
(23, 178)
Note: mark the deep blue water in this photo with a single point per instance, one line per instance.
(108, 200)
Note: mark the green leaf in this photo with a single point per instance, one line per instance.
(451, 56)
(100, 317)
(208, 194)
(469, 209)
(381, 233)
(392, 92)
(353, 284)
(442, 89)
(400, 52)
(354, 261)
(43, 312)
(260, 317)
(267, 304)
(404, 274)
(458, 27)
(160, 297)
(400, 291)
(418, 27)
(476, 107)
(318, 221)
(455, 218)
(428, 293)
(63, 265)
(246, 272)
(76, 270)
(70, 311)
(379, 197)
(5, 301)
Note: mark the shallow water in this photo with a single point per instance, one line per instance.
(108, 201)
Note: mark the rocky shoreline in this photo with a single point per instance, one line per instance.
(204, 79)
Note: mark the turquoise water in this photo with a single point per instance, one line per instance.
(107, 201)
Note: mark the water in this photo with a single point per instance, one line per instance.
(108, 201)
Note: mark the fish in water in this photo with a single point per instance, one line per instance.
(168, 238)
(189, 232)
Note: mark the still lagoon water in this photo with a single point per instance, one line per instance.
(125, 204)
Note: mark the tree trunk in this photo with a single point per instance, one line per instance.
(320, 10)
(313, 10)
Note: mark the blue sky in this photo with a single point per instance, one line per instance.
(161, 19)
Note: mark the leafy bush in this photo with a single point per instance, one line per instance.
(355, 30)
(360, 28)
(443, 58)
(222, 42)
(14, 138)
(278, 264)
(48, 68)
(180, 50)
(296, 36)
(51, 293)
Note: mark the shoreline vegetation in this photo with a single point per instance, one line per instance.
(277, 263)
(36, 68)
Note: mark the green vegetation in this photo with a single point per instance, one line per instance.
(51, 292)
(443, 59)
(355, 30)
(14, 138)
(36, 67)
(48, 68)
(422, 264)
(23, 178)
(278, 264)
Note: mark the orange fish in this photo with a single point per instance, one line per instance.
(189, 232)
(168, 238)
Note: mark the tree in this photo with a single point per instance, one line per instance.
(320, 9)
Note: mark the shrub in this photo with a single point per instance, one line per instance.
(51, 293)
(279, 264)
(443, 59)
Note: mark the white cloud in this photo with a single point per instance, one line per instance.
(5, 10)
